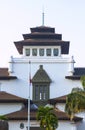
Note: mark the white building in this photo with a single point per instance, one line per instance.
(44, 71)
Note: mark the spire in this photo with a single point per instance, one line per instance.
(43, 17)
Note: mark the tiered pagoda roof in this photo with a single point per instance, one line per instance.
(42, 36)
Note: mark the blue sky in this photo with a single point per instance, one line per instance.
(17, 16)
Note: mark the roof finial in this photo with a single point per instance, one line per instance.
(43, 17)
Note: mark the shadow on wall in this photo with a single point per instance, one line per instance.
(3, 125)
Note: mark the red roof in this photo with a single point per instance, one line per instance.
(61, 99)
(23, 115)
(10, 98)
(4, 72)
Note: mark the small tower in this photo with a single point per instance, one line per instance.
(11, 65)
(45, 48)
(71, 66)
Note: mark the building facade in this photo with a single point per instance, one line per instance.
(44, 71)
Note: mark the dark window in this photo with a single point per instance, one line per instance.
(36, 92)
(55, 52)
(27, 51)
(41, 52)
(41, 92)
(34, 52)
(48, 52)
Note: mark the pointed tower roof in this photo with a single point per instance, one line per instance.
(41, 76)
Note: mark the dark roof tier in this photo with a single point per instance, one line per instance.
(33, 42)
(43, 36)
(78, 72)
(38, 35)
(8, 77)
(42, 32)
(43, 29)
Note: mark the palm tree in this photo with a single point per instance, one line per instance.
(75, 101)
(47, 118)
(83, 81)
(77, 89)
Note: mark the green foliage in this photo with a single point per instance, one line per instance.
(2, 117)
(75, 103)
(47, 118)
(77, 89)
(83, 81)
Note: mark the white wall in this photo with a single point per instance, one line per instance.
(67, 125)
(61, 106)
(82, 124)
(6, 108)
(15, 125)
(57, 69)
(63, 125)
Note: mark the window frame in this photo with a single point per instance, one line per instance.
(42, 91)
(54, 51)
(34, 51)
(26, 52)
(47, 52)
(40, 52)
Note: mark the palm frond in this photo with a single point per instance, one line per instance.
(75, 103)
(47, 118)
